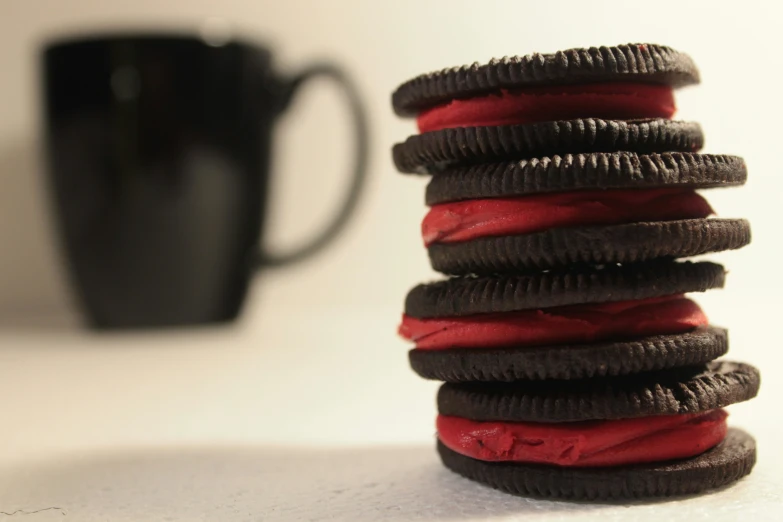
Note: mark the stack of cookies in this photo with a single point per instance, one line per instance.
(562, 198)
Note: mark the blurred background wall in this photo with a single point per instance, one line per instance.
(332, 320)
(382, 44)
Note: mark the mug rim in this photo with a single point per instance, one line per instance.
(136, 36)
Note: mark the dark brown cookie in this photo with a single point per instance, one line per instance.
(727, 462)
(460, 296)
(632, 62)
(672, 392)
(437, 150)
(574, 361)
(558, 247)
(601, 170)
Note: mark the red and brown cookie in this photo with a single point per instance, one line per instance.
(576, 101)
(660, 434)
(647, 64)
(591, 322)
(616, 207)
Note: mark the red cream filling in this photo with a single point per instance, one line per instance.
(590, 443)
(558, 325)
(474, 218)
(616, 101)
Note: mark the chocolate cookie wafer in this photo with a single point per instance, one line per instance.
(559, 247)
(690, 389)
(462, 296)
(437, 150)
(572, 361)
(576, 172)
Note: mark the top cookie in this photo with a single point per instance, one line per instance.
(648, 63)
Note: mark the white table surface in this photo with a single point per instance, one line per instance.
(271, 420)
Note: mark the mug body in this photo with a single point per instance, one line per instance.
(158, 156)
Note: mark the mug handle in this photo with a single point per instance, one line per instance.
(359, 171)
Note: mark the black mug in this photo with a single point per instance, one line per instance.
(158, 155)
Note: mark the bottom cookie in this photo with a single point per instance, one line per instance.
(729, 461)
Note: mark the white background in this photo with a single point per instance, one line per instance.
(314, 362)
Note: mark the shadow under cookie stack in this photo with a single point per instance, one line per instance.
(562, 198)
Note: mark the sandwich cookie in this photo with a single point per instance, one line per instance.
(660, 434)
(572, 324)
(591, 208)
